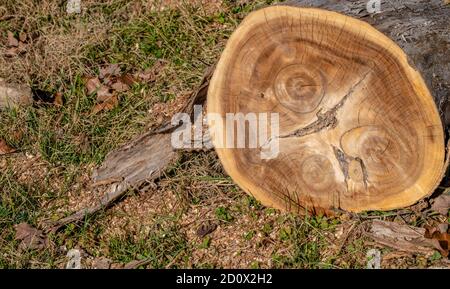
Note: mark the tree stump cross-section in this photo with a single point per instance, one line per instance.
(359, 129)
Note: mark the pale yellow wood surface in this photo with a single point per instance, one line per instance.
(359, 129)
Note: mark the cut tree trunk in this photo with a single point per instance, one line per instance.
(14, 95)
(400, 131)
(358, 128)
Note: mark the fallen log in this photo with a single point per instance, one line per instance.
(404, 127)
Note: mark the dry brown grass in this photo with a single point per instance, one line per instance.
(54, 44)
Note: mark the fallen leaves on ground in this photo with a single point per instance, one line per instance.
(443, 239)
(107, 85)
(164, 110)
(150, 74)
(92, 85)
(128, 79)
(205, 229)
(23, 37)
(58, 100)
(16, 46)
(112, 81)
(30, 237)
(12, 41)
(5, 148)
(109, 71)
(104, 93)
(107, 105)
(119, 86)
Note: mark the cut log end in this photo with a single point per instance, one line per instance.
(359, 129)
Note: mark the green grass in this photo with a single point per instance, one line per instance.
(305, 252)
(223, 214)
(159, 247)
(18, 202)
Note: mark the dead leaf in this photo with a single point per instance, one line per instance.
(103, 94)
(12, 52)
(150, 74)
(5, 148)
(12, 41)
(128, 79)
(443, 228)
(92, 85)
(147, 76)
(119, 86)
(107, 105)
(110, 70)
(22, 36)
(58, 101)
(441, 204)
(30, 237)
(205, 229)
(22, 48)
(443, 239)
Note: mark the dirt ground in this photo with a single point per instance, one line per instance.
(193, 217)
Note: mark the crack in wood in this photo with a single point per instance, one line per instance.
(342, 159)
(324, 120)
(344, 163)
(364, 171)
(327, 119)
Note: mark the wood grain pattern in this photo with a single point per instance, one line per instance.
(359, 129)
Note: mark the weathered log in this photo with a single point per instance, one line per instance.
(358, 127)
(403, 237)
(419, 27)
